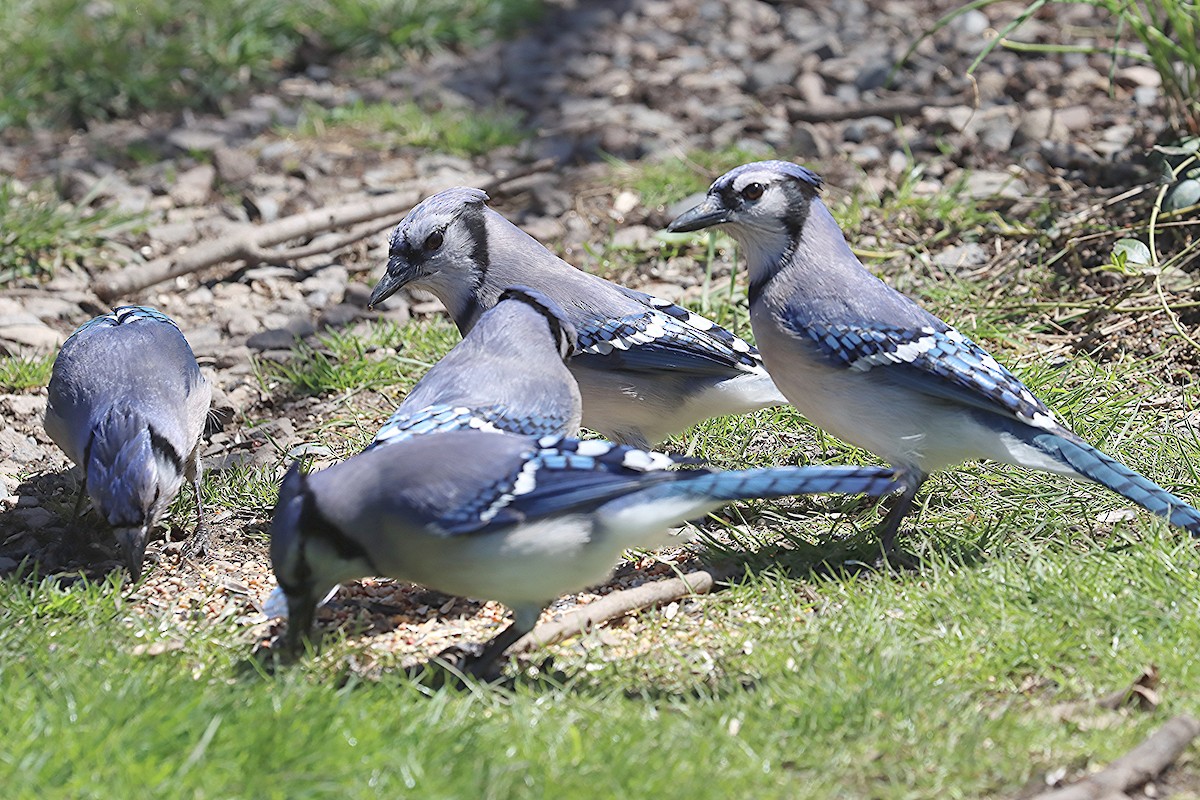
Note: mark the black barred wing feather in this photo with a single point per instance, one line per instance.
(405, 424)
(654, 341)
(941, 363)
(561, 476)
(123, 315)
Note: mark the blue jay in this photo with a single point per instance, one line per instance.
(128, 404)
(875, 369)
(493, 515)
(646, 367)
(508, 373)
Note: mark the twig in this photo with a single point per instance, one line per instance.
(320, 246)
(1136, 767)
(615, 605)
(885, 108)
(250, 244)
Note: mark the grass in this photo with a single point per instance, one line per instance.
(458, 131)
(39, 233)
(380, 355)
(670, 179)
(21, 373)
(70, 61)
(964, 680)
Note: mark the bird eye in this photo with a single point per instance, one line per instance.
(753, 191)
(433, 241)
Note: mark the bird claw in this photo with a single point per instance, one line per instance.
(196, 545)
(468, 660)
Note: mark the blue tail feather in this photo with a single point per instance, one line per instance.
(1107, 471)
(774, 482)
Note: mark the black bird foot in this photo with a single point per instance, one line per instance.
(472, 660)
(898, 560)
(196, 545)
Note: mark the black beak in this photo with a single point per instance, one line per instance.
(301, 610)
(133, 546)
(710, 212)
(391, 282)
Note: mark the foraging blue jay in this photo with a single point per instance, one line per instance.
(128, 404)
(646, 367)
(494, 515)
(508, 373)
(875, 369)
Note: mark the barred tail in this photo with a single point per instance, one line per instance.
(783, 481)
(1094, 465)
(641, 517)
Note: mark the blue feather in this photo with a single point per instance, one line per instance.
(1107, 471)
(939, 362)
(653, 341)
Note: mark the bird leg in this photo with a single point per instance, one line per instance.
(900, 509)
(79, 498)
(483, 666)
(197, 543)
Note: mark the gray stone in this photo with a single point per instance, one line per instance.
(984, 184)
(340, 315)
(193, 187)
(191, 140)
(873, 75)
(23, 338)
(232, 165)
(971, 254)
(634, 237)
(24, 406)
(33, 519)
(274, 339)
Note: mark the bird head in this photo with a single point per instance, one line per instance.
(763, 205)
(133, 474)
(440, 246)
(561, 328)
(309, 553)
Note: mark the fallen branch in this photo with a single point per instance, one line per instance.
(883, 108)
(1136, 767)
(616, 604)
(251, 243)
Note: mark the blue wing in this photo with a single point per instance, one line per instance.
(654, 340)
(560, 476)
(405, 424)
(123, 315)
(939, 362)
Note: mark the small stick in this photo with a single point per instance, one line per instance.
(1136, 767)
(251, 242)
(883, 108)
(615, 605)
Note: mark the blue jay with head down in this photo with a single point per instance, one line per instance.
(508, 373)
(646, 367)
(128, 404)
(875, 369)
(492, 515)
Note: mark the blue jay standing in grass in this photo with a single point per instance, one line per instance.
(646, 368)
(128, 404)
(875, 369)
(508, 373)
(493, 515)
